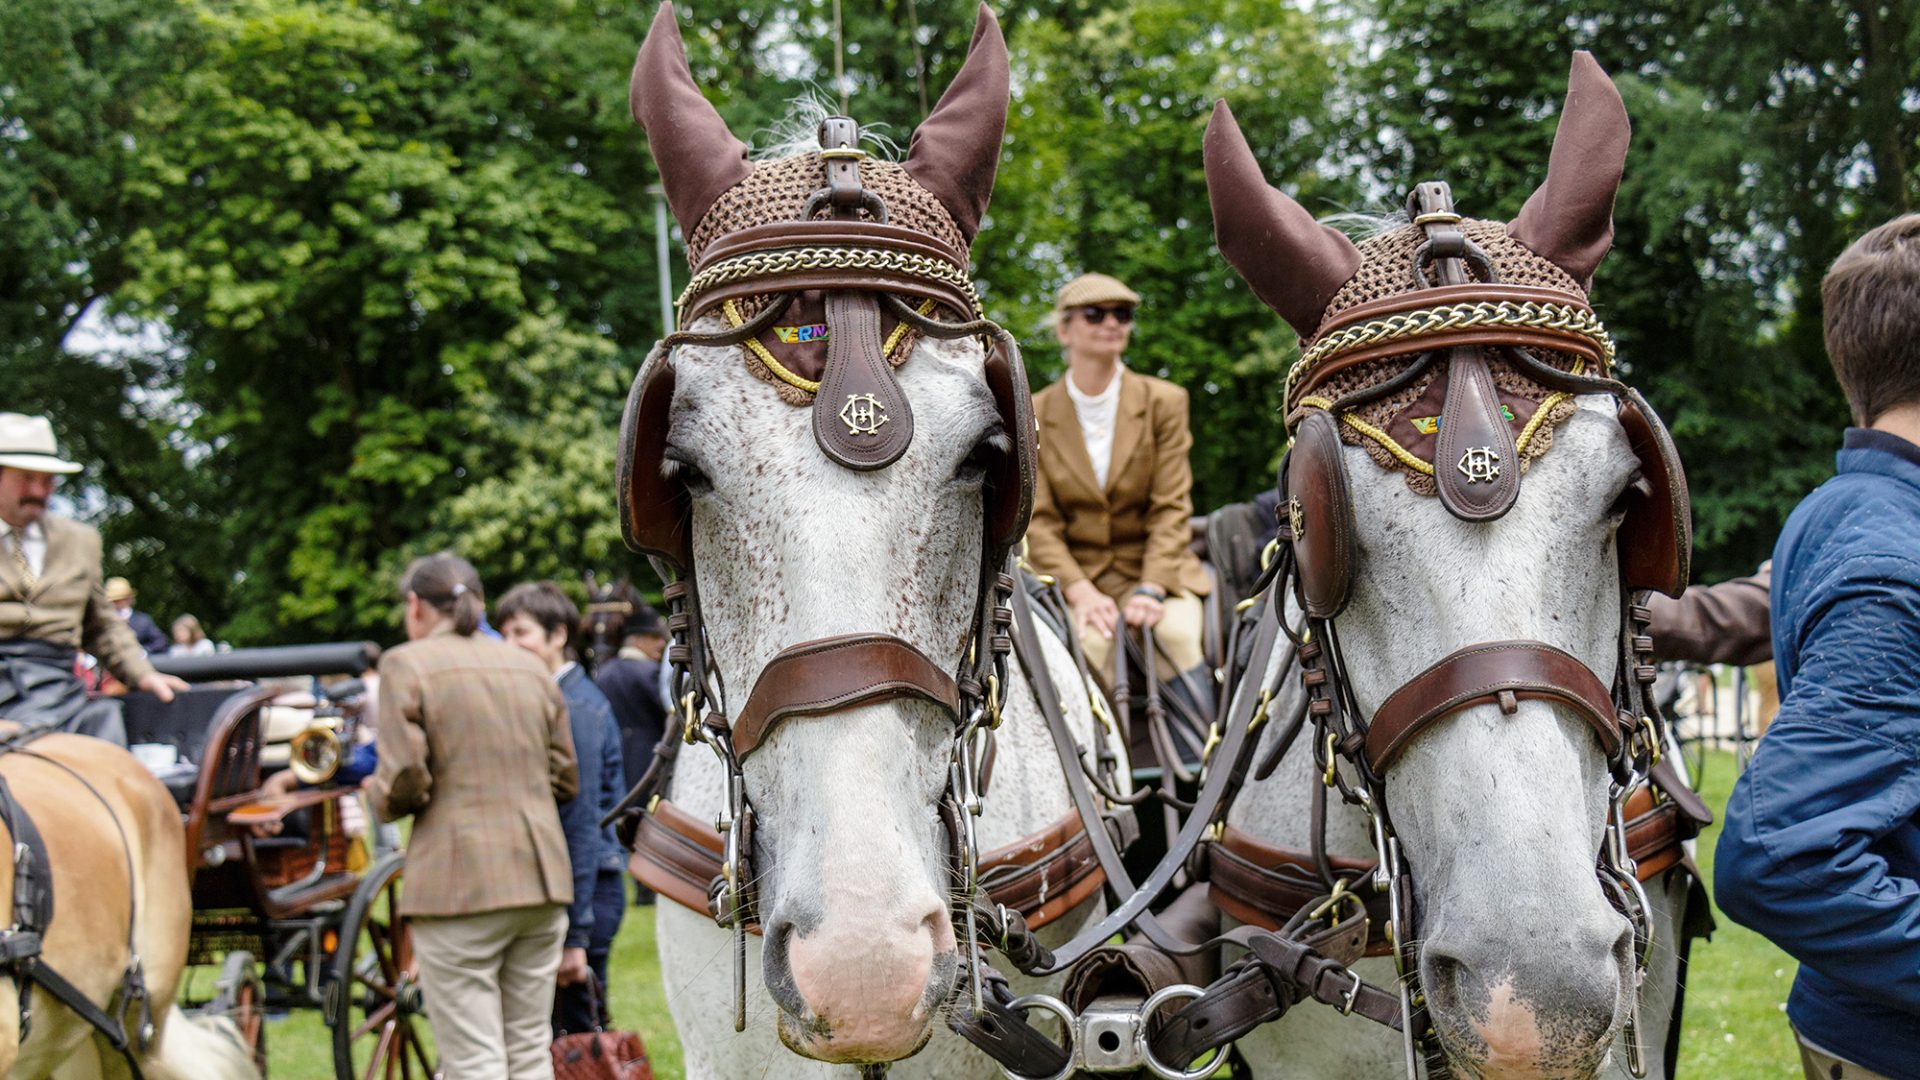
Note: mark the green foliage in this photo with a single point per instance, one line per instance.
(388, 232)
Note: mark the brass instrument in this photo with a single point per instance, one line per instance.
(314, 753)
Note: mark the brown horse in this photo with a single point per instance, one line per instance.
(116, 822)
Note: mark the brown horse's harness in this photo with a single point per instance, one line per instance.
(21, 955)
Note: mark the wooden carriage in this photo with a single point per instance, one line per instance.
(305, 917)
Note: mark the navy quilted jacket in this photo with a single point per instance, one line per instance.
(1821, 850)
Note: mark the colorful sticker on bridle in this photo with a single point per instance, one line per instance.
(793, 335)
(1427, 425)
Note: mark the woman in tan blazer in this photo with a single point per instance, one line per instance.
(474, 743)
(1114, 494)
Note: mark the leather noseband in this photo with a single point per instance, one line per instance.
(1502, 672)
(834, 674)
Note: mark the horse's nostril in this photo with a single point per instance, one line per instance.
(1443, 978)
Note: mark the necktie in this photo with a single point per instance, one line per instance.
(20, 556)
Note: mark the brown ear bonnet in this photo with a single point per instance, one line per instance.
(1449, 348)
(827, 267)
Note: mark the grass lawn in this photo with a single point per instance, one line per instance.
(1734, 1028)
(1735, 1024)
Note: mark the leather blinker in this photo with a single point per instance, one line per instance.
(1656, 536)
(861, 417)
(653, 512)
(1319, 506)
(1011, 476)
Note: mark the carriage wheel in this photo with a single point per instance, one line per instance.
(240, 997)
(374, 1004)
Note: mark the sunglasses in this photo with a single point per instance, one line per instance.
(1095, 315)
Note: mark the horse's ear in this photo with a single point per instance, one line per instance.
(697, 156)
(1569, 219)
(956, 149)
(1294, 264)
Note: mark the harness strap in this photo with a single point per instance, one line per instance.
(1505, 672)
(1216, 792)
(1280, 972)
(1039, 877)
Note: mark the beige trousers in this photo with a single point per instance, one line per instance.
(1822, 1065)
(1177, 639)
(488, 980)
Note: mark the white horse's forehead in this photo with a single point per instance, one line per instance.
(1533, 573)
(792, 546)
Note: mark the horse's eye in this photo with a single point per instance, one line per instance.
(678, 465)
(1636, 486)
(985, 453)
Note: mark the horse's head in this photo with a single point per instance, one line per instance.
(1481, 630)
(837, 476)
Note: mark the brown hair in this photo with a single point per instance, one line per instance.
(192, 626)
(1872, 300)
(448, 584)
(541, 601)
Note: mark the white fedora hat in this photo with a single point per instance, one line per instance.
(26, 442)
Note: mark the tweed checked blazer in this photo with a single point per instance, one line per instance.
(1136, 528)
(474, 743)
(67, 604)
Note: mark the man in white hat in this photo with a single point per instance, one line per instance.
(52, 600)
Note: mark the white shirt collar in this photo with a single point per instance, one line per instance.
(33, 531)
(564, 668)
(1104, 397)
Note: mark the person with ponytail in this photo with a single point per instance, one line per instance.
(475, 744)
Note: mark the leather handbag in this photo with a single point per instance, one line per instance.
(600, 1054)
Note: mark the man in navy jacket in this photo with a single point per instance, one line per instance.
(1821, 851)
(539, 618)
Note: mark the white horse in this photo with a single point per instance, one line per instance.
(1526, 966)
(849, 850)
(1528, 970)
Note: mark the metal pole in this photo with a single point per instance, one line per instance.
(839, 65)
(664, 255)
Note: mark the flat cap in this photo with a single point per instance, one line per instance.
(1094, 289)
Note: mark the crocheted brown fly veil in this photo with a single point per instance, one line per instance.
(1396, 431)
(778, 191)
(1411, 337)
(805, 225)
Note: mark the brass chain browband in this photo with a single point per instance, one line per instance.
(757, 264)
(1412, 326)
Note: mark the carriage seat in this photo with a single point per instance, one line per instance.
(182, 725)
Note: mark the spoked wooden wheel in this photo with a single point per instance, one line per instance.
(240, 997)
(374, 1004)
